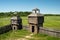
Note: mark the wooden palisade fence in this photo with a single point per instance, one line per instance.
(5, 29)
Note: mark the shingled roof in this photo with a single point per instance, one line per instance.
(35, 14)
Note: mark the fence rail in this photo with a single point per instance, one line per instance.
(43, 30)
(50, 32)
(5, 29)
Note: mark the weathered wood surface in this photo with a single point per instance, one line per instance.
(5, 29)
(51, 32)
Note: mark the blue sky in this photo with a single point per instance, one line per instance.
(45, 6)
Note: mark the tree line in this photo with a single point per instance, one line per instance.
(6, 14)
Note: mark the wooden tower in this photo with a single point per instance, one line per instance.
(16, 22)
(35, 20)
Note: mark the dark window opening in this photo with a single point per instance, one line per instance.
(14, 28)
(32, 28)
(38, 30)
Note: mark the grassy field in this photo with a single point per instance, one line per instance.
(52, 22)
(43, 37)
(4, 21)
(49, 21)
(21, 34)
(14, 35)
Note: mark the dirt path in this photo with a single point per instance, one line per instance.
(26, 37)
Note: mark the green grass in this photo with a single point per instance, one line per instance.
(25, 20)
(52, 22)
(49, 21)
(14, 35)
(4, 21)
(43, 37)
